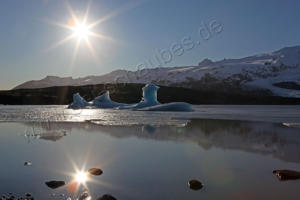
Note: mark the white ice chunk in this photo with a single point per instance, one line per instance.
(175, 107)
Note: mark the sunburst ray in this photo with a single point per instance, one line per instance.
(98, 35)
(91, 48)
(118, 11)
(61, 42)
(75, 52)
(87, 12)
(74, 17)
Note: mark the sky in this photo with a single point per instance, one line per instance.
(136, 32)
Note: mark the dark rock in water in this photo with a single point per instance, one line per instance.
(12, 197)
(107, 197)
(195, 184)
(27, 164)
(95, 171)
(55, 184)
(285, 175)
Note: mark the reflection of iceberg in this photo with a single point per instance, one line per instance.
(264, 138)
(149, 102)
(45, 132)
(294, 125)
(51, 136)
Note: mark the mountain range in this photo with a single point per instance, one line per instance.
(276, 73)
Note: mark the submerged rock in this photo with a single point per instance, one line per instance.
(95, 171)
(55, 184)
(285, 175)
(195, 184)
(107, 197)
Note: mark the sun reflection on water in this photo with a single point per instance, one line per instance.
(81, 177)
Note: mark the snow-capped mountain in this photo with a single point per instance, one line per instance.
(277, 72)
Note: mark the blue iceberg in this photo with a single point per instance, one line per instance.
(78, 102)
(104, 101)
(149, 98)
(149, 102)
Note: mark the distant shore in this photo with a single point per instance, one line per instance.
(131, 93)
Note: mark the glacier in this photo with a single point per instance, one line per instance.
(149, 102)
(261, 71)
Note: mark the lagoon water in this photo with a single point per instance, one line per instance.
(232, 150)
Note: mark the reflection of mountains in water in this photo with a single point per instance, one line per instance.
(264, 138)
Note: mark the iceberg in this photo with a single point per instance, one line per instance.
(149, 98)
(149, 102)
(104, 101)
(78, 102)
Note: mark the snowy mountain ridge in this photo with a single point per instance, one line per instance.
(277, 72)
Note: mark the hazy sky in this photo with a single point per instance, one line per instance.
(139, 29)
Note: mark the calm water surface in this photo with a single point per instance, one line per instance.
(146, 156)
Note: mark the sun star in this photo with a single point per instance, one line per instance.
(81, 31)
(81, 177)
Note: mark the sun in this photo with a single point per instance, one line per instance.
(81, 31)
(81, 177)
